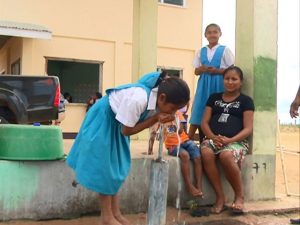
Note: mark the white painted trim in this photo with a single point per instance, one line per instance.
(25, 33)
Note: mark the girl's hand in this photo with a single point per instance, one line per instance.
(165, 117)
(211, 69)
(201, 69)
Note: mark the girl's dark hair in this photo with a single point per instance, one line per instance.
(212, 25)
(176, 90)
(162, 76)
(237, 69)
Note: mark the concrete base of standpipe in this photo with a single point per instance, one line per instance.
(158, 192)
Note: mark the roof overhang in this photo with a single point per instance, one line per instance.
(16, 29)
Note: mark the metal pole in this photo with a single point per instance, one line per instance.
(161, 143)
(158, 187)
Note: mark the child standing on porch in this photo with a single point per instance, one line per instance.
(209, 63)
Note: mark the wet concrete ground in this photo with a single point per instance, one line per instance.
(183, 217)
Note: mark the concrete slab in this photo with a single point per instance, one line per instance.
(43, 189)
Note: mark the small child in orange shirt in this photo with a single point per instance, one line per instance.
(188, 150)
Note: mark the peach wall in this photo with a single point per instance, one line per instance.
(10, 53)
(101, 31)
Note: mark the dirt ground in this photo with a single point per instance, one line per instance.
(289, 142)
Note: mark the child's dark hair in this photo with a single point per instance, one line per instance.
(176, 90)
(162, 76)
(98, 95)
(237, 69)
(212, 25)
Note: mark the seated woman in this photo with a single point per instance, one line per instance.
(226, 123)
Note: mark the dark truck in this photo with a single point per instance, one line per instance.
(28, 99)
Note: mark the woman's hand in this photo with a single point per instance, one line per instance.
(220, 141)
(217, 140)
(225, 140)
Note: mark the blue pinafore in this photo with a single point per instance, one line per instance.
(207, 84)
(100, 155)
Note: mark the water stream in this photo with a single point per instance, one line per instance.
(162, 128)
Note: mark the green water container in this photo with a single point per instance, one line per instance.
(29, 142)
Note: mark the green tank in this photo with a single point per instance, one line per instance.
(30, 142)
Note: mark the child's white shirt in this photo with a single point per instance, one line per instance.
(226, 61)
(128, 104)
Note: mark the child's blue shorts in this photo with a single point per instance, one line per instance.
(188, 146)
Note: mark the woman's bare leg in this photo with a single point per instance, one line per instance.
(233, 175)
(107, 216)
(213, 174)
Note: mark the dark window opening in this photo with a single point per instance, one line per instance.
(79, 79)
(173, 2)
(171, 72)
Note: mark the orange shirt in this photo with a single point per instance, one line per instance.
(171, 138)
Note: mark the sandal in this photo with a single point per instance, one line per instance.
(217, 210)
(199, 212)
(237, 209)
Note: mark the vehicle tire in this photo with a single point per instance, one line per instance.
(7, 115)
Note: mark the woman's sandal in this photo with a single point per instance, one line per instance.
(237, 209)
(199, 212)
(217, 210)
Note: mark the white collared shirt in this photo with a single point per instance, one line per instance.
(128, 104)
(226, 61)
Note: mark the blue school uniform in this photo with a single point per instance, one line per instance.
(207, 84)
(100, 155)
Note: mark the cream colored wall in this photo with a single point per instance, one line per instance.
(11, 52)
(179, 37)
(101, 30)
(3, 61)
(97, 30)
(73, 117)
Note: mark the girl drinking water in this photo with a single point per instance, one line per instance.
(100, 155)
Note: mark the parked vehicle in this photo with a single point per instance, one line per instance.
(28, 99)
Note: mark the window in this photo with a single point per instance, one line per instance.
(171, 71)
(81, 79)
(173, 2)
(15, 67)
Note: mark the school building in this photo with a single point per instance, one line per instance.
(89, 45)
(94, 45)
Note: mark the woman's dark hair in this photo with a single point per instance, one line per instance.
(162, 76)
(237, 69)
(176, 90)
